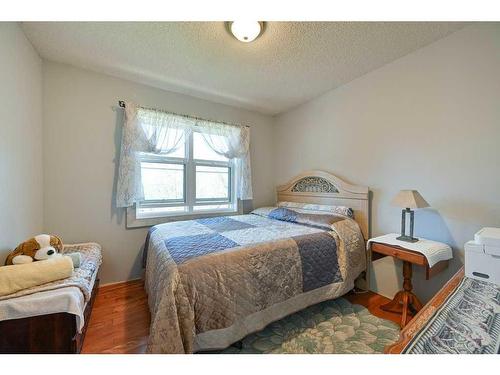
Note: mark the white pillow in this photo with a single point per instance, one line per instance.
(340, 210)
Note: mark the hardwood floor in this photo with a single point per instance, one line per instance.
(372, 301)
(120, 318)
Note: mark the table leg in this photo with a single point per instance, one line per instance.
(404, 299)
(407, 274)
(404, 313)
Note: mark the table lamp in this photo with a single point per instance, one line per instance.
(408, 199)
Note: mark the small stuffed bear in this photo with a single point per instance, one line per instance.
(40, 247)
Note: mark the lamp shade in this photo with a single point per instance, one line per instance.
(409, 199)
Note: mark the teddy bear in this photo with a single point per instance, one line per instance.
(40, 247)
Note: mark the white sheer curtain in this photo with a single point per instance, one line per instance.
(159, 132)
(232, 142)
(144, 130)
(163, 131)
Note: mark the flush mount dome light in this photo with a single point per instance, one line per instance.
(246, 31)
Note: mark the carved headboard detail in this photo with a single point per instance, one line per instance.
(314, 185)
(321, 187)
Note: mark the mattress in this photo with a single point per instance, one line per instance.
(69, 295)
(67, 300)
(211, 282)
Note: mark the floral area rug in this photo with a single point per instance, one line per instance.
(330, 327)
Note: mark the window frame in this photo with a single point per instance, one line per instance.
(212, 201)
(151, 158)
(190, 202)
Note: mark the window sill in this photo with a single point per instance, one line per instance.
(134, 222)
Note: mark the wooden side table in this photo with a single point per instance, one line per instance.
(405, 302)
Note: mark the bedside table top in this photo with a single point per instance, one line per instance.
(433, 251)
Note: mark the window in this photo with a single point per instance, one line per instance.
(192, 179)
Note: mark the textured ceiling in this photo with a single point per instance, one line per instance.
(291, 63)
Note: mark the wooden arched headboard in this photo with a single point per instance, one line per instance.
(321, 187)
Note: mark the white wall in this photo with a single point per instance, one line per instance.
(21, 180)
(429, 121)
(82, 131)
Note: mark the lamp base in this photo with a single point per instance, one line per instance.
(407, 239)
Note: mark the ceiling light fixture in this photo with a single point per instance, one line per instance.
(246, 31)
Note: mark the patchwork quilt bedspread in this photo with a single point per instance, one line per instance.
(210, 282)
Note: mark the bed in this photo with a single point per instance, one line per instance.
(210, 282)
(52, 318)
(462, 318)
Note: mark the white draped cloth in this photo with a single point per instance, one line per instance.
(432, 250)
(157, 132)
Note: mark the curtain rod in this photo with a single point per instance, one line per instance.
(121, 103)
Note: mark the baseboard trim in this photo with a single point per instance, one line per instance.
(120, 283)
